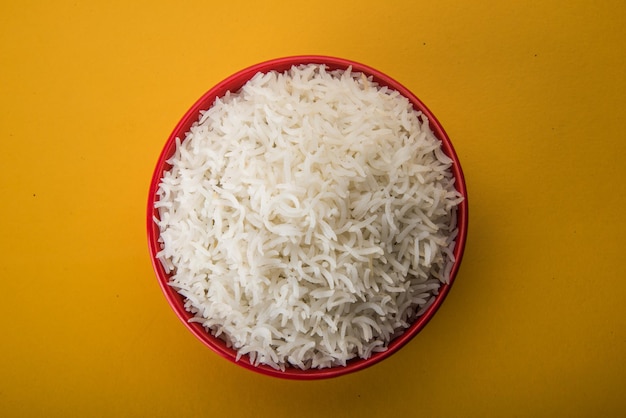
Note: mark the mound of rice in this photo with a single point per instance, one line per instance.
(308, 218)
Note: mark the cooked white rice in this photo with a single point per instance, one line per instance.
(308, 218)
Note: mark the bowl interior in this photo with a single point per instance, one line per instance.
(234, 83)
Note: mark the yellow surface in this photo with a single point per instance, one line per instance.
(532, 94)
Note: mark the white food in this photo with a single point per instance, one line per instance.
(308, 218)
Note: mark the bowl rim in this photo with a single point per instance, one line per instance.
(233, 83)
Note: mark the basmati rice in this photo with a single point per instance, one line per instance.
(308, 218)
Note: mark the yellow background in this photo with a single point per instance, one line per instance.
(532, 94)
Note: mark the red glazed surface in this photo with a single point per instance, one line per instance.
(233, 83)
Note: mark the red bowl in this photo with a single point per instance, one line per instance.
(233, 83)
